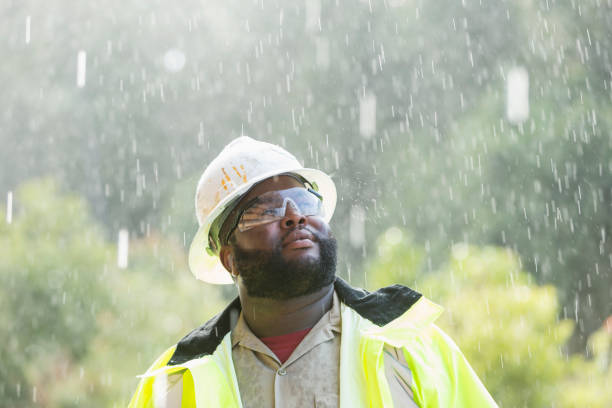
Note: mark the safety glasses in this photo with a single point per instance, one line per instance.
(272, 206)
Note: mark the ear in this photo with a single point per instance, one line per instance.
(227, 259)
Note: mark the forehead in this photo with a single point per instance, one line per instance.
(271, 184)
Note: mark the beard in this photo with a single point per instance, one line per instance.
(267, 274)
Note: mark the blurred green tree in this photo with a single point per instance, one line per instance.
(589, 385)
(542, 189)
(155, 302)
(507, 326)
(76, 329)
(53, 268)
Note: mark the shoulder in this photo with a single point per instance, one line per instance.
(205, 339)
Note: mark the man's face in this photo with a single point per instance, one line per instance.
(290, 257)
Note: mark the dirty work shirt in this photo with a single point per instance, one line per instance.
(308, 378)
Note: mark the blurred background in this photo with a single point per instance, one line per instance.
(470, 141)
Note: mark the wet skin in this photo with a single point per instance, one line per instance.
(296, 236)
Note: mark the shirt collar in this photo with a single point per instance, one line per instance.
(323, 330)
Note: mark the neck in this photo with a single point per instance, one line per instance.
(271, 317)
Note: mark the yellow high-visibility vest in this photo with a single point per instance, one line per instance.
(441, 375)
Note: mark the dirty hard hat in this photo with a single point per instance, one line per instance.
(241, 165)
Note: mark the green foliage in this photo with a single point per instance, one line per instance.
(540, 187)
(76, 329)
(589, 384)
(156, 301)
(52, 272)
(394, 245)
(542, 190)
(505, 325)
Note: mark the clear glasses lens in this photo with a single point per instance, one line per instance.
(271, 207)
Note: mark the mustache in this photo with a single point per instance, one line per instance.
(317, 236)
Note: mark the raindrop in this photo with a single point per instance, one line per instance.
(200, 135)
(27, 29)
(367, 115)
(517, 95)
(393, 236)
(174, 60)
(81, 68)
(9, 207)
(460, 251)
(122, 249)
(357, 226)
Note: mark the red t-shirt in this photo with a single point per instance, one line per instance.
(284, 345)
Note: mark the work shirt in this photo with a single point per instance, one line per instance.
(309, 378)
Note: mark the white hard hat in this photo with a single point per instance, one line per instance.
(242, 164)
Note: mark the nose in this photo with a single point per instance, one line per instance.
(293, 216)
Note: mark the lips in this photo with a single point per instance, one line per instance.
(299, 239)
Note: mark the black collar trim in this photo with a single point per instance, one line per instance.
(380, 307)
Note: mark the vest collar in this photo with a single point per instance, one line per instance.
(380, 307)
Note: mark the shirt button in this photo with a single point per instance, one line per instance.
(281, 371)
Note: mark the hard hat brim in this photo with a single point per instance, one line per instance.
(208, 268)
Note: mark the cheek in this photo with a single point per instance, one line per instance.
(263, 237)
(319, 225)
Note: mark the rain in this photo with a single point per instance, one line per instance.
(81, 68)
(470, 143)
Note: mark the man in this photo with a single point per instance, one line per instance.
(297, 336)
